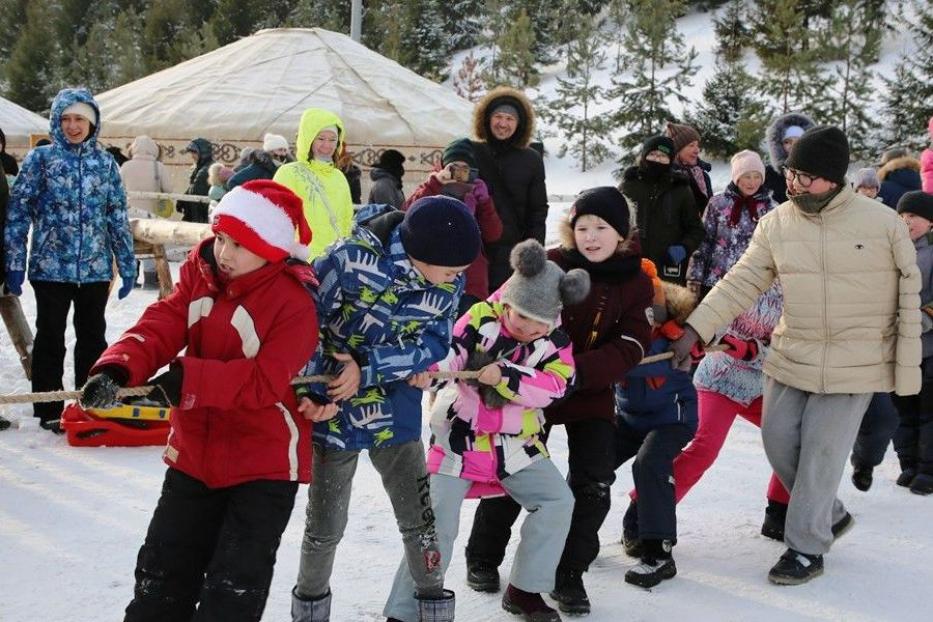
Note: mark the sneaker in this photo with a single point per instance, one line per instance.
(842, 526)
(656, 564)
(483, 577)
(569, 592)
(529, 605)
(862, 478)
(922, 484)
(906, 477)
(794, 568)
(775, 517)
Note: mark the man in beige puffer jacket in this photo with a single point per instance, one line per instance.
(851, 327)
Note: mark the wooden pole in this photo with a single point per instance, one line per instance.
(20, 333)
(158, 231)
(162, 271)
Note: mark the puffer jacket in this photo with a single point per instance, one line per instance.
(73, 198)
(261, 166)
(322, 187)
(244, 340)
(925, 263)
(926, 170)
(851, 319)
(373, 304)
(484, 444)
(386, 188)
(143, 172)
(897, 177)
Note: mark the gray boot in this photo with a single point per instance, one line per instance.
(150, 280)
(310, 609)
(436, 608)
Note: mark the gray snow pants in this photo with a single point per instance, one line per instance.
(807, 437)
(405, 479)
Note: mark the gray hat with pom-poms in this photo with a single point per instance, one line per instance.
(539, 289)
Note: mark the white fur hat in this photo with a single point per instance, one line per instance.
(271, 142)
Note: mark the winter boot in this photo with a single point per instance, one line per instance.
(922, 484)
(907, 476)
(483, 577)
(4, 423)
(656, 564)
(436, 608)
(775, 516)
(630, 540)
(794, 568)
(570, 593)
(310, 609)
(862, 477)
(842, 526)
(150, 280)
(529, 605)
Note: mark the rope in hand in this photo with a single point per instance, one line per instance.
(60, 396)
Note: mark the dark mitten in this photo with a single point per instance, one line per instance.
(166, 387)
(492, 398)
(100, 390)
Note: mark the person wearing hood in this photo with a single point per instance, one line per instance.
(850, 327)
(668, 222)
(899, 173)
(201, 151)
(503, 123)
(387, 179)
(7, 162)
(316, 179)
(780, 138)
(71, 195)
(262, 164)
(145, 173)
(687, 158)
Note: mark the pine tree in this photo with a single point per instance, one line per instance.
(514, 61)
(855, 42)
(789, 53)
(921, 62)
(732, 34)
(33, 71)
(618, 15)
(463, 23)
(574, 109)
(468, 83)
(424, 47)
(900, 104)
(656, 66)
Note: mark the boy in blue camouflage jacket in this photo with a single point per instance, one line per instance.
(386, 304)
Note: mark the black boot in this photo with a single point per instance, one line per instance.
(862, 478)
(775, 516)
(657, 564)
(842, 526)
(4, 423)
(630, 540)
(483, 577)
(570, 593)
(794, 568)
(922, 484)
(906, 477)
(529, 605)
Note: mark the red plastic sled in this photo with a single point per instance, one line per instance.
(84, 429)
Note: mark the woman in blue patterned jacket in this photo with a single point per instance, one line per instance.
(71, 195)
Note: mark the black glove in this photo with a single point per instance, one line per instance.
(682, 347)
(100, 390)
(166, 388)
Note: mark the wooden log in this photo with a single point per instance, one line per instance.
(162, 271)
(18, 328)
(175, 196)
(158, 231)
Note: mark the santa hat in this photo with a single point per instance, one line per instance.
(263, 216)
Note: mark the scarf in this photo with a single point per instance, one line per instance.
(750, 204)
(810, 203)
(699, 178)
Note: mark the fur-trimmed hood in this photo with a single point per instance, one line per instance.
(774, 136)
(526, 123)
(897, 164)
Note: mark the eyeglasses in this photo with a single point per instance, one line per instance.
(804, 179)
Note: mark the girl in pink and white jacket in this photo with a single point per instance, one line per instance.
(486, 432)
(926, 162)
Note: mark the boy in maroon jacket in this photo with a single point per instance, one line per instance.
(239, 446)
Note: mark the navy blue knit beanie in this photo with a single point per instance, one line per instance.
(440, 231)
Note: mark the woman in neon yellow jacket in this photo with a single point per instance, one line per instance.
(314, 178)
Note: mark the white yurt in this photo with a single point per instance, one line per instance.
(20, 126)
(262, 83)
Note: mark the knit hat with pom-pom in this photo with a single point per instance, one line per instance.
(539, 289)
(263, 216)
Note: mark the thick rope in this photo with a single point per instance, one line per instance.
(61, 396)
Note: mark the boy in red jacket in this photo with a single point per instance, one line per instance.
(239, 446)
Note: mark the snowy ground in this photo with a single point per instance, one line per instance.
(72, 519)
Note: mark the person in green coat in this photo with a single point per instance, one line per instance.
(668, 224)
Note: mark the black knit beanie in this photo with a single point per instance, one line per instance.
(607, 203)
(822, 151)
(916, 202)
(664, 144)
(440, 231)
(459, 150)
